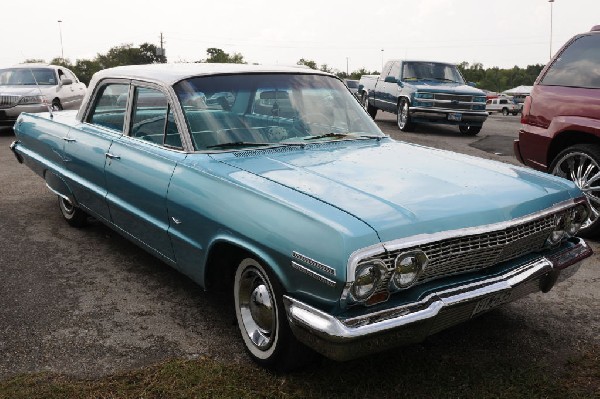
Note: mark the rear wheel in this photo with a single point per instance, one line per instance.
(371, 110)
(403, 117)
(72, 214)
(581, 164)
(262, 320)
(469, 130)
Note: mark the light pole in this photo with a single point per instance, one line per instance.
(62, 53)
(381, 60)
(551, 4)
(347, 70)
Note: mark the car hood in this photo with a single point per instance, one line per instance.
(444, 87)
(402, 189)
(21, 90)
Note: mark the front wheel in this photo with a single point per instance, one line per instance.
(581, 164)
(56, 105)
(469, 130)
(262, 321)
(403, 117)
(72, 214)
(505, 111)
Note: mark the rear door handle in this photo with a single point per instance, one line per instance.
(68, 140)
(112, 156)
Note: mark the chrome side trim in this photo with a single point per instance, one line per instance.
(420, 239)
(313, 274)
(314, 263)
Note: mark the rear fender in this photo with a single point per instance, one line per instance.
(59, 187)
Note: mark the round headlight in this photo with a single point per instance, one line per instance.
(577, 216)
(367, 278)
(408, 266)
(560, 223)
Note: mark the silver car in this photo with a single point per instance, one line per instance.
(35, 88)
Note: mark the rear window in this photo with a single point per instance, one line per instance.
(578, 65)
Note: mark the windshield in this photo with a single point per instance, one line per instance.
(250, 110)
(25, 77)
(431, 71)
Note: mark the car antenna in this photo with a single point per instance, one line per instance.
(42, 94)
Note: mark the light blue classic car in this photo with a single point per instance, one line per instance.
(275, 183)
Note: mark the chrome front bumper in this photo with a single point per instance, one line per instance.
(344, 339)
(437, 114)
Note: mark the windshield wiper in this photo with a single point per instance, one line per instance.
(322, 136)
(446, 80)
(239, 144)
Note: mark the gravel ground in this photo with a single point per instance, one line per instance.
(86, 302)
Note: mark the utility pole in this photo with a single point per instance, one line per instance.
(551, 4)
(62, 51)
(161, 50)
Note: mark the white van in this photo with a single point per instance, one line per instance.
(506, 105)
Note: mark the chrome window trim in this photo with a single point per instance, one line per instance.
(419, 239)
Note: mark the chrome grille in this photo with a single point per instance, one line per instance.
(475, 252)
(8, 101)
(453, 101)
(452, 97)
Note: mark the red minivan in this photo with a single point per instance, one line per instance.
(560, 131)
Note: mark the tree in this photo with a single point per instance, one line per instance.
(216, 55)
(309, 63)
(126, 54)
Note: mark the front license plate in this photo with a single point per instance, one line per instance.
(490, 302)
(455, 117)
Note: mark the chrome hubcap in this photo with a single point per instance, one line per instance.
(256, 308)
(402, 115)
(582, 170)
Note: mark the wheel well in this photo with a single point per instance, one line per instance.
(567, 139)
(221, 262)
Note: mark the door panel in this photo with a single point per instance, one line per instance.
(137, 179)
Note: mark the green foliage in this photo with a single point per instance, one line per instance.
(309, 63)
(496, 79)
(126, 54)
(216, 55)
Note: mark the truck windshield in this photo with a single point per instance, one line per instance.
(229, 112)
(431, 71)
(27, 77)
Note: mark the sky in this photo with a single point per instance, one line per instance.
(344, 34)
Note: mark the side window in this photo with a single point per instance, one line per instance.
(577, 66)
(71, 75)
(110, 107)
(153, 119)
(503, 101)
(395, 70)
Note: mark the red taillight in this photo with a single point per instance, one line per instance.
(525, 111)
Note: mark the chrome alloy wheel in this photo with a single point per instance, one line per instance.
(256, 309)
(402, 115)
(583, 170)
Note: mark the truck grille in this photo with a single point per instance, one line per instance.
(475, 252)
(453, 101)
(8, 101)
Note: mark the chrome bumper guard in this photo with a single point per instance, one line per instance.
(345, 339)
(14, 151)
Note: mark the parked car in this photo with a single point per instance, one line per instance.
(506, 105)
(34, 88)
(352, 85)
(423, 91)
(560, 131)
(328, 234)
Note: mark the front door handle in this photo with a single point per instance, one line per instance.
(68, 140)
(112, 156)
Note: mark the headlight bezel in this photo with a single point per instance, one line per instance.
(378, 273)
(418, 263)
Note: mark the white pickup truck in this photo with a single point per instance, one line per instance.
(506, 105)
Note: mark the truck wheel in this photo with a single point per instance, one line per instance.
(469, 130)
(371, 110)
(581, 164)
(72, 214)
(505, 111)
(262, 321)
(403, 117)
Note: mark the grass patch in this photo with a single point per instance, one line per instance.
(381, 376)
